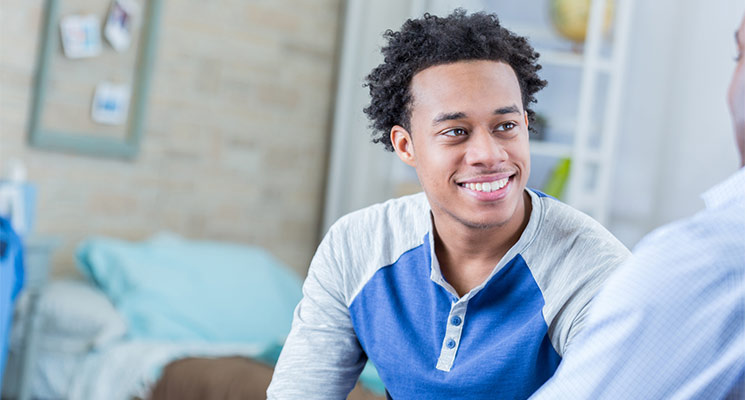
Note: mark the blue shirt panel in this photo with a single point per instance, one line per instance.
(400, 318)
(541, 194)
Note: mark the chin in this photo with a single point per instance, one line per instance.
(486, 222)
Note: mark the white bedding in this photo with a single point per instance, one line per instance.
(50, 377)
(82, 352)
(73, 319)
(130, 369)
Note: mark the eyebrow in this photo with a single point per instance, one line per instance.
(448, 117)
(512, 109)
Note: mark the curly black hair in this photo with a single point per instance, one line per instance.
(432, 40)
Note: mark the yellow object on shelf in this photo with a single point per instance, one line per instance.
(555, 185)
(570, 17)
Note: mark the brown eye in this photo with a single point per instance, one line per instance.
(506, 126)
(455, 132)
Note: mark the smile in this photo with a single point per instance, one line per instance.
(486, 187)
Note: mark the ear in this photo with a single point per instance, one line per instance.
(402, 142)
(526, 119)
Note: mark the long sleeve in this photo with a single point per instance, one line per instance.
(322, 358)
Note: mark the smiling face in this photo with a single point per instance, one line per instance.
(468, 142)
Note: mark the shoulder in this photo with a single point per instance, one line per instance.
(570, 257)
(688, 258)
(565, 233)
(387, 228)
(705, 234)
(362, 242)
(563, 221)
(401, 214)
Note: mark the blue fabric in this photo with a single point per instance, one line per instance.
(11, 283)
(171, 288)
(541, 194)
(504, 351)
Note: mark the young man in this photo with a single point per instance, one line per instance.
(475, 288)
(670, 323)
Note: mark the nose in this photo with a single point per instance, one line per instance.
(484, 150)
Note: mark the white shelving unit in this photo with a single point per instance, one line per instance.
(591, 173)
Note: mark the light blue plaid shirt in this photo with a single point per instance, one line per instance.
(669, 324)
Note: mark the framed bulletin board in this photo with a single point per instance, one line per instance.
(93, 73)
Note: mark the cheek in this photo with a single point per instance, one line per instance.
(521, 156)
(434, 167)
(520, 153)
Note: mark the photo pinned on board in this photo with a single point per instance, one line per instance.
(110, 103)
(81, 37)
(120, 24)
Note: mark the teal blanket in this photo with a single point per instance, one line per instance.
(174, 289)
(169, 288)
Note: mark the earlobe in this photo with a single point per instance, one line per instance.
(402, 143)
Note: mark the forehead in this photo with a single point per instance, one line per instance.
(459, 86)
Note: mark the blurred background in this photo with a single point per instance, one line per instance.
(235, 139)
(241, 122)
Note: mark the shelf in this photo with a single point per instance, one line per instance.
(548, 56)
(549, 149)
(570, 59)
(536, 32)
(559, 150)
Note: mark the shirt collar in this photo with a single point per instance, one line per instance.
(530, 231)
(729, 190)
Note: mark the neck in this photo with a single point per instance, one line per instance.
(467, 255)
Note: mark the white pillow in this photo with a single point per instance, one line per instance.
(75, 317)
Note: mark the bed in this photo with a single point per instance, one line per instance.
(162, 319)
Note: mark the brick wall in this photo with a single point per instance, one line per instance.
(236, 137)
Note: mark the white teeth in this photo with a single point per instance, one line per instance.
(487, 187)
